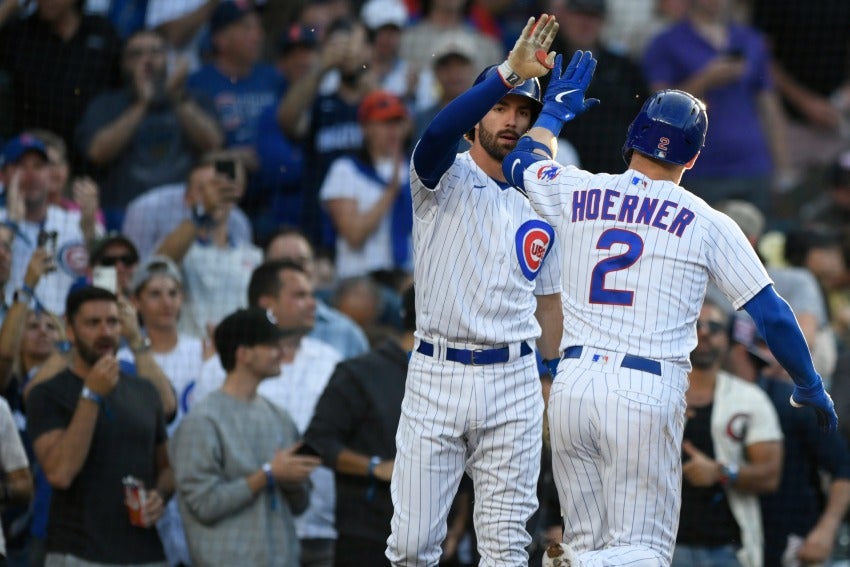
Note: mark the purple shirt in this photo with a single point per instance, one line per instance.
(735, 145)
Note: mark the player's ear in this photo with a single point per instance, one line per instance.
(691, 163)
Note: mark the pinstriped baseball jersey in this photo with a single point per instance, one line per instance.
(481, 254)
(637, 257)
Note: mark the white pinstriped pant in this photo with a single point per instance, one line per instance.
(485, 419)
(616, 456)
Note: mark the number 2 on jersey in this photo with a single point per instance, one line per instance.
(634, 243)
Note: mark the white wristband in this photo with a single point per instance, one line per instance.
(509, 76)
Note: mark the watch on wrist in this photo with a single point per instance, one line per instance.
(729, 474)
(373, 462)
(144, 345)
(88, 394)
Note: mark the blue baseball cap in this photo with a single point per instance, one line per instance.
(227, 13)
(297, 36)
(23, 144)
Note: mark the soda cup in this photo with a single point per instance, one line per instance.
(135, 496)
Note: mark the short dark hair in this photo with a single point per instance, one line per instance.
(79, 297)
(264, 280)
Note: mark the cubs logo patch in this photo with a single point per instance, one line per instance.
(73, 258)
(736, 427)
(549, 172)
(533, 242)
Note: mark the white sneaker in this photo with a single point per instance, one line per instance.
(560, 555)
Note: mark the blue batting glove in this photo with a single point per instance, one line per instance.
(817, 398)
(564, 97)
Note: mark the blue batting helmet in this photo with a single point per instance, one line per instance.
(670, 127)
(530, 88)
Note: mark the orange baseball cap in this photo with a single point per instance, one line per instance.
(380, 106)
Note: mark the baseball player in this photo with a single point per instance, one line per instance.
(484, 293)
(638, 252)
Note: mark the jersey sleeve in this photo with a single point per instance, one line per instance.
(338, 182)
(732, 262)
(549, 186)
(764, 425)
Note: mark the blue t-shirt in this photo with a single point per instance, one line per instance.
(239, 102)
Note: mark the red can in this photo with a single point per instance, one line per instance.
(135, 497)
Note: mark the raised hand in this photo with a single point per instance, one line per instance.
(564, 97)
(530, 56)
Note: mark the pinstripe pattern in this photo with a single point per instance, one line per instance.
(669, 278)
(470, 293)
(485, 419)
(637, 256)
(616, 459)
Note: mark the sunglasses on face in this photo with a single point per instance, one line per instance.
(126, 259)
(712, 327)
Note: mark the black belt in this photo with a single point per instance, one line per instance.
(629, 361)
(475, 357)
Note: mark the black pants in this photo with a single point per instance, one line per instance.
(358, 552)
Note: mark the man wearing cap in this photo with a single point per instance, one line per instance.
(385, 20)
(28, 211)
(147, 133)
(453, 69)
(619, 82)
(284, 289)
(368, 195)
(239, 479)
(240, 86)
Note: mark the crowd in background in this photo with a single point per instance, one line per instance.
(197, 157)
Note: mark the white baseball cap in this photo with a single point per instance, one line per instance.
(379, 13)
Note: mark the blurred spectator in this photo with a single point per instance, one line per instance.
(732, 451)
(327, 121)
(332, 327)
(810, 53)
(361, 299)
(240, 86)
(801, 519)
(58, 59)
(216, 268)
(385, 20)
(116, 251)
(85, 192)
(147, 133)
(618, 81)
(441, 17)
(284, 289)
(353, 429)
(832, 208)
(92, 414)
(35, 220)
(797, 285)
(16, 486)
(727, 65)
(454, 71)
(368, 195)
(239, 478)
(154, 215)
(28, 338)
(158, 297)
(7, 237)
(184, 24)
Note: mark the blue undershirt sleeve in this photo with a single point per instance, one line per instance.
(777, 325)
(435, 152)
